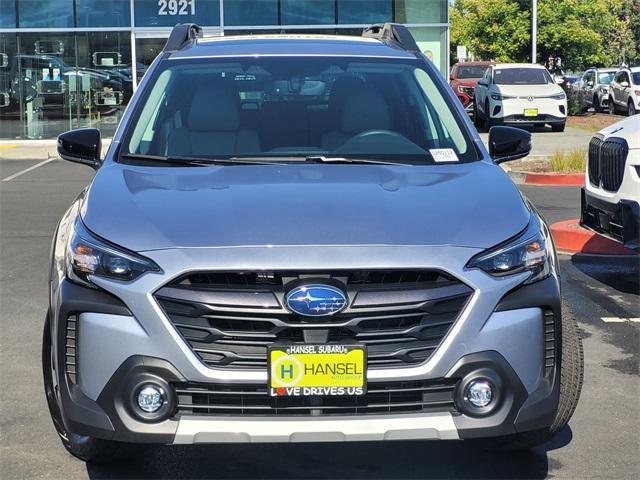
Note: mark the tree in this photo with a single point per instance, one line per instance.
(491, 29)
(583, 33)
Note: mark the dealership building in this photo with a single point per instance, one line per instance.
(67, 64)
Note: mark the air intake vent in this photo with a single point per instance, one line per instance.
(549, 343)
(244, 400)
(71, 364)
(607, 162)
(230, 318)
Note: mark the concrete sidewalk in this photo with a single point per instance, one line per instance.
(34, 149)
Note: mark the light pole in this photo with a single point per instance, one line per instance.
(534, 30)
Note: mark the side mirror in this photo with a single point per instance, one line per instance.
(483, 81)
(81, 146)
(508, 143)
(624, 84)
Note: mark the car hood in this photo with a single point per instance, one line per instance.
(467, 82)
(629, 129)
(529, 90)
(149, 208)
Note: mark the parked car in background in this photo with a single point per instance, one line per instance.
(519, 94)
(570, 82)
(592, 91)
(624, 94)
(464, 77)
(611, 195)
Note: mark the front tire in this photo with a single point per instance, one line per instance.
(631, 109)
(477, 121)
(596, 105)
(612, 106)
(83, 447)
(558, 128)
(571, 378)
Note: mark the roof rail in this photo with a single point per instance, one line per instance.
(392, 33)
(181, 35)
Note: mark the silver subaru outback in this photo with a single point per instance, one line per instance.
(302, 238)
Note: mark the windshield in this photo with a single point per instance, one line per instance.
(297, 107)
(471, 71)
(521, 76)
(606, 78)
(636, 78)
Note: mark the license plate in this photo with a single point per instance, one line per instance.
(301, 370)
(530, 112)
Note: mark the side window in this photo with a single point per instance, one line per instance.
(625, 77)
(618, 77)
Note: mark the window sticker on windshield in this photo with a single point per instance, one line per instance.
(443, 155)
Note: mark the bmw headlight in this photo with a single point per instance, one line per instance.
(88, 255)
(531, 251)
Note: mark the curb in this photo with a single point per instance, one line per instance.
(559, 179)
(570, 237)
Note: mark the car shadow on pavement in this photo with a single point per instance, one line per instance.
(345, 460)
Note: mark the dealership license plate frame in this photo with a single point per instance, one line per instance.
(530, 112)
(304, 353)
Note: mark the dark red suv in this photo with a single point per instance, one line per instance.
(464, 77)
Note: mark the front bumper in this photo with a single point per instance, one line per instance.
(123, 337)
(617, 221)
(512, 111)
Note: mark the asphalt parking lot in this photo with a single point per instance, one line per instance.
(602, 440)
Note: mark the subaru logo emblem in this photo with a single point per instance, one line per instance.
(316, 300)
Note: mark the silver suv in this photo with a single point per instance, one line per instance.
(302, 238)
(593, 89)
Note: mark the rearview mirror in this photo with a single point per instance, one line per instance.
(508, 143)
(81, 146)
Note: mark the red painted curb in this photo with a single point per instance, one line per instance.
(569, 236)
(564, 179)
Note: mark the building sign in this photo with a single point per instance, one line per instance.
(167, 13)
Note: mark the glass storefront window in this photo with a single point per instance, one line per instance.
(421, 11)
(103, 13)
(7, 14)
(52, 81)
(10, 122)
(307, 12)
(250, 12)
(103, 79)
(45, 13)
(359, 11)
(167, 13)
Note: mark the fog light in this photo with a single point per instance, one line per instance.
(151, 398)
(479, 393)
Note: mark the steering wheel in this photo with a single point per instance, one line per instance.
(367, 133)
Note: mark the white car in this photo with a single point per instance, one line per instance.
(624, 94)
(520, 94)
(611, 196)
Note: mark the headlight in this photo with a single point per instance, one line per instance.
(559, 96)
(531, 252)
(88, 255)
(499, 96)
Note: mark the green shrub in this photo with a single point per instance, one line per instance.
(573, 106)
(571, 161)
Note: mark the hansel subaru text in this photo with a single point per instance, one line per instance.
(302, 238)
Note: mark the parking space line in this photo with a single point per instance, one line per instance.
(620, 320)
(27, 170)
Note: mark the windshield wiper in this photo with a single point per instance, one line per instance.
(196, 161)
(323, 159)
